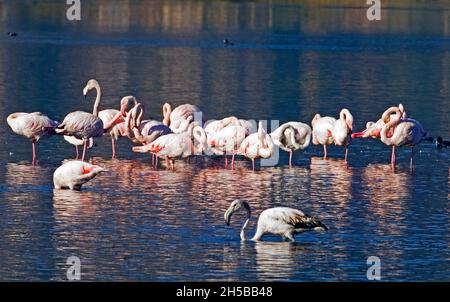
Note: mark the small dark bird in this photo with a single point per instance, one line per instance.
(226, 42)
(441, 143)
(12, 34)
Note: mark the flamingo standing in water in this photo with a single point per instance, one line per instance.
(321, 131)
(342, 129)
(373, 129)
(144, 132)
(176, 145)
(174, 118)
(282, 221)
(113, 121)
(292, 136)
(82, 125)
(34, 126)
(227, 140)
(405, 132)
(73, 174)
(328, 130)
(257, 145)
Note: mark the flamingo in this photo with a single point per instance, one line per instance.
(282, 221)
(113, 121)
(176, 145)
(373, 129)
(292, 136)
(406, 132)
(144, 132)
(34, 126)
(342, 129)
(328, 130)
(227, 140)
(257, 145)
(174, 118)
(83, 125)
(321, 131)
(78, 142)
(73, 174)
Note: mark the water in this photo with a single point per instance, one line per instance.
(290, 60)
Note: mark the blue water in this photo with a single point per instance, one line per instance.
(289, 60)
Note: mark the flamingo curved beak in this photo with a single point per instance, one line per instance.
(227, 216)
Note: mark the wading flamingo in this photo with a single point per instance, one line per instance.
(82, 125)
(174, 118)
(257, 145)
(282, 221)
(34, 126)
(321, 131)
(113, 121)
(227, 140)
(176, 145)
(78, 142)
(292, 136)
(405, 132)
(73, 174)
(342, 129)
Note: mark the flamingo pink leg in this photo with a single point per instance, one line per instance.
(156, 161)
(253, 164)
(232, 159)
(324, 151)
(346, 153)
(226, 161)
(167, 162)
(76, 148)
(172, 163)
(393, 157)
(113, 148)
(84, 149)
(290, 158)
(34, 151)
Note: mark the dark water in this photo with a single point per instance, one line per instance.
(290, 60)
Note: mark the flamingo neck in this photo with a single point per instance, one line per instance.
(244, 227)
(97, 99)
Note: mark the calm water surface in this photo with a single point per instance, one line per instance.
(290, 60)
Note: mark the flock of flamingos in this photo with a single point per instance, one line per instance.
(183, 133)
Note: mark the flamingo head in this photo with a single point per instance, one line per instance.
(235, 206)
(91, 84)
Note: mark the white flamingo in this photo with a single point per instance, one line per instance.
(406, 132)
(34, 126)
(176, 145)
(342, 129)
(282, 221)
(82, 125)
(328, 130)
(257, 145)
(321, 131)
(174, 118)
(227, 140)
(292, 136)
(73, 174)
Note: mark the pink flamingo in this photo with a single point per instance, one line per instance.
(328, 130)
(227, 140)
(176, 145)
(405, 132)
(73, 174)
(292, 136)
(257, 145)
(174, 118)
(373, 129)
(34, 126)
